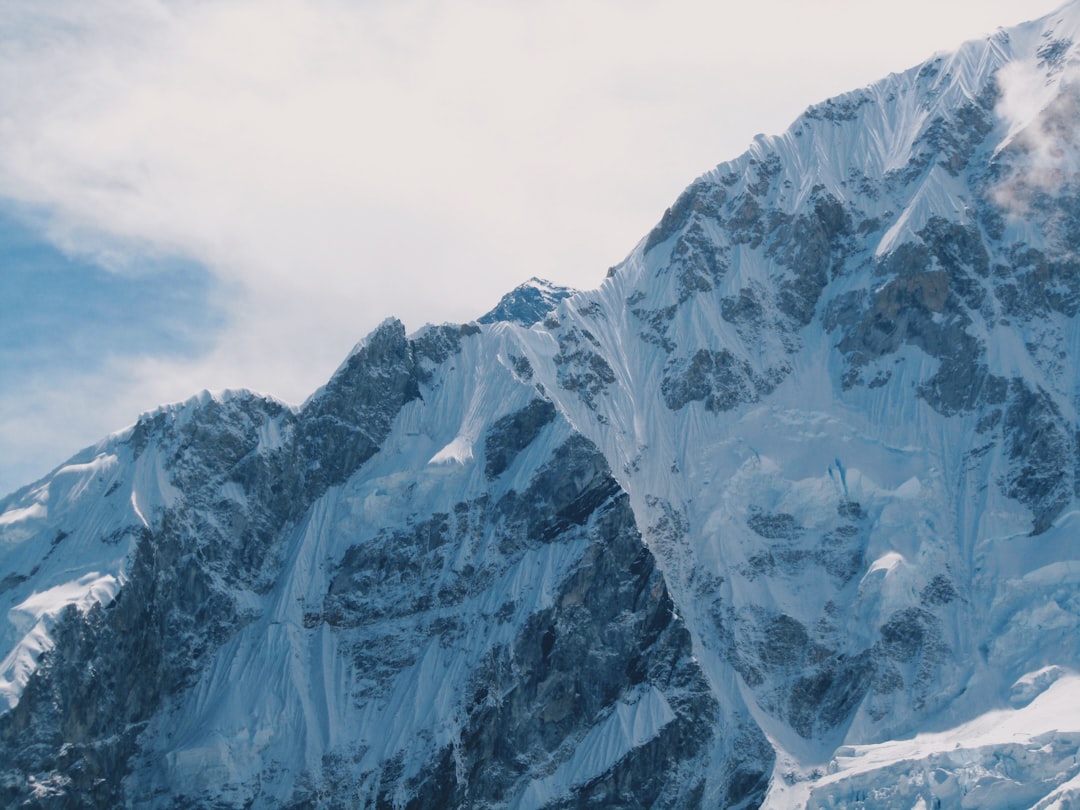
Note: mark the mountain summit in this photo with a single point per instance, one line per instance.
(783, 513)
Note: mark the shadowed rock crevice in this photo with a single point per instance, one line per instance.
(513, 433)
(610, 640)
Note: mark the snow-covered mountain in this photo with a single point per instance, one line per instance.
(784, 513)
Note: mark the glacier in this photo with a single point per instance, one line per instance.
(784, 513)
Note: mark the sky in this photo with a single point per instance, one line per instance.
(205, 195)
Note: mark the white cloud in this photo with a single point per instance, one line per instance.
(333, 162)
(1041, 148)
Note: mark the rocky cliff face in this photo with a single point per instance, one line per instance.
(782, 514)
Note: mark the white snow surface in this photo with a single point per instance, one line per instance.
(994, 761)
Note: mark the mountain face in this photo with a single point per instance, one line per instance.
(783, 514)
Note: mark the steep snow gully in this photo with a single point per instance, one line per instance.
(784, 513)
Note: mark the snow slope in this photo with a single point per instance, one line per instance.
(784, 513)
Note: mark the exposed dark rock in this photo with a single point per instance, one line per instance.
(82, 710)
(437, 344)
(528, 304)
(581, 368)
(814, 687)
(1040, 447)
(522, 367)
(1035, 286)
(911, 639)
(656, 325)
(115, 666)
(784, 641)
(813, 247)
(842, 108)
(701, 198)
(744, 309)
(746, 225)
(718, 378)
(904, 635)
(918, 307)
(829, 695)
(959, 251)
(774, 525)
(841, 552)
(560, 668)
(1053, 53)
(952, 141)
(746, 264)
(939, 591)
(342, 426)
(567, 490)
(767, 171)
(11, 580)
(609, 636)
(396, 562)
(697, 262)
(513, 433)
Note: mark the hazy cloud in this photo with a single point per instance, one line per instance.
(1039, 104)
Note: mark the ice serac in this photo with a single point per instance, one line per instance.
(784, 513)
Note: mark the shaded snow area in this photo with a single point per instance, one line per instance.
(782, 514)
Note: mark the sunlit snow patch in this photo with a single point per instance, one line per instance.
(138, 512)
(35, 510)
(887, 562)
(74, 479)
(987, 762)
(459, 451)
(35, 617)
(1030, 686)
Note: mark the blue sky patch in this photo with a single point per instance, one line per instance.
(59, 312)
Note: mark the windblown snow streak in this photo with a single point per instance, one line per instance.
(784, 513)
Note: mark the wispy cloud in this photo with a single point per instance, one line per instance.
(1039, 104)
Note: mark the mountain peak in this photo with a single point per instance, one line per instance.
(527, 303)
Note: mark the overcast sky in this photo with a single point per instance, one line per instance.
(232, 193)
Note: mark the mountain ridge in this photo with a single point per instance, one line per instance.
(781, 514)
